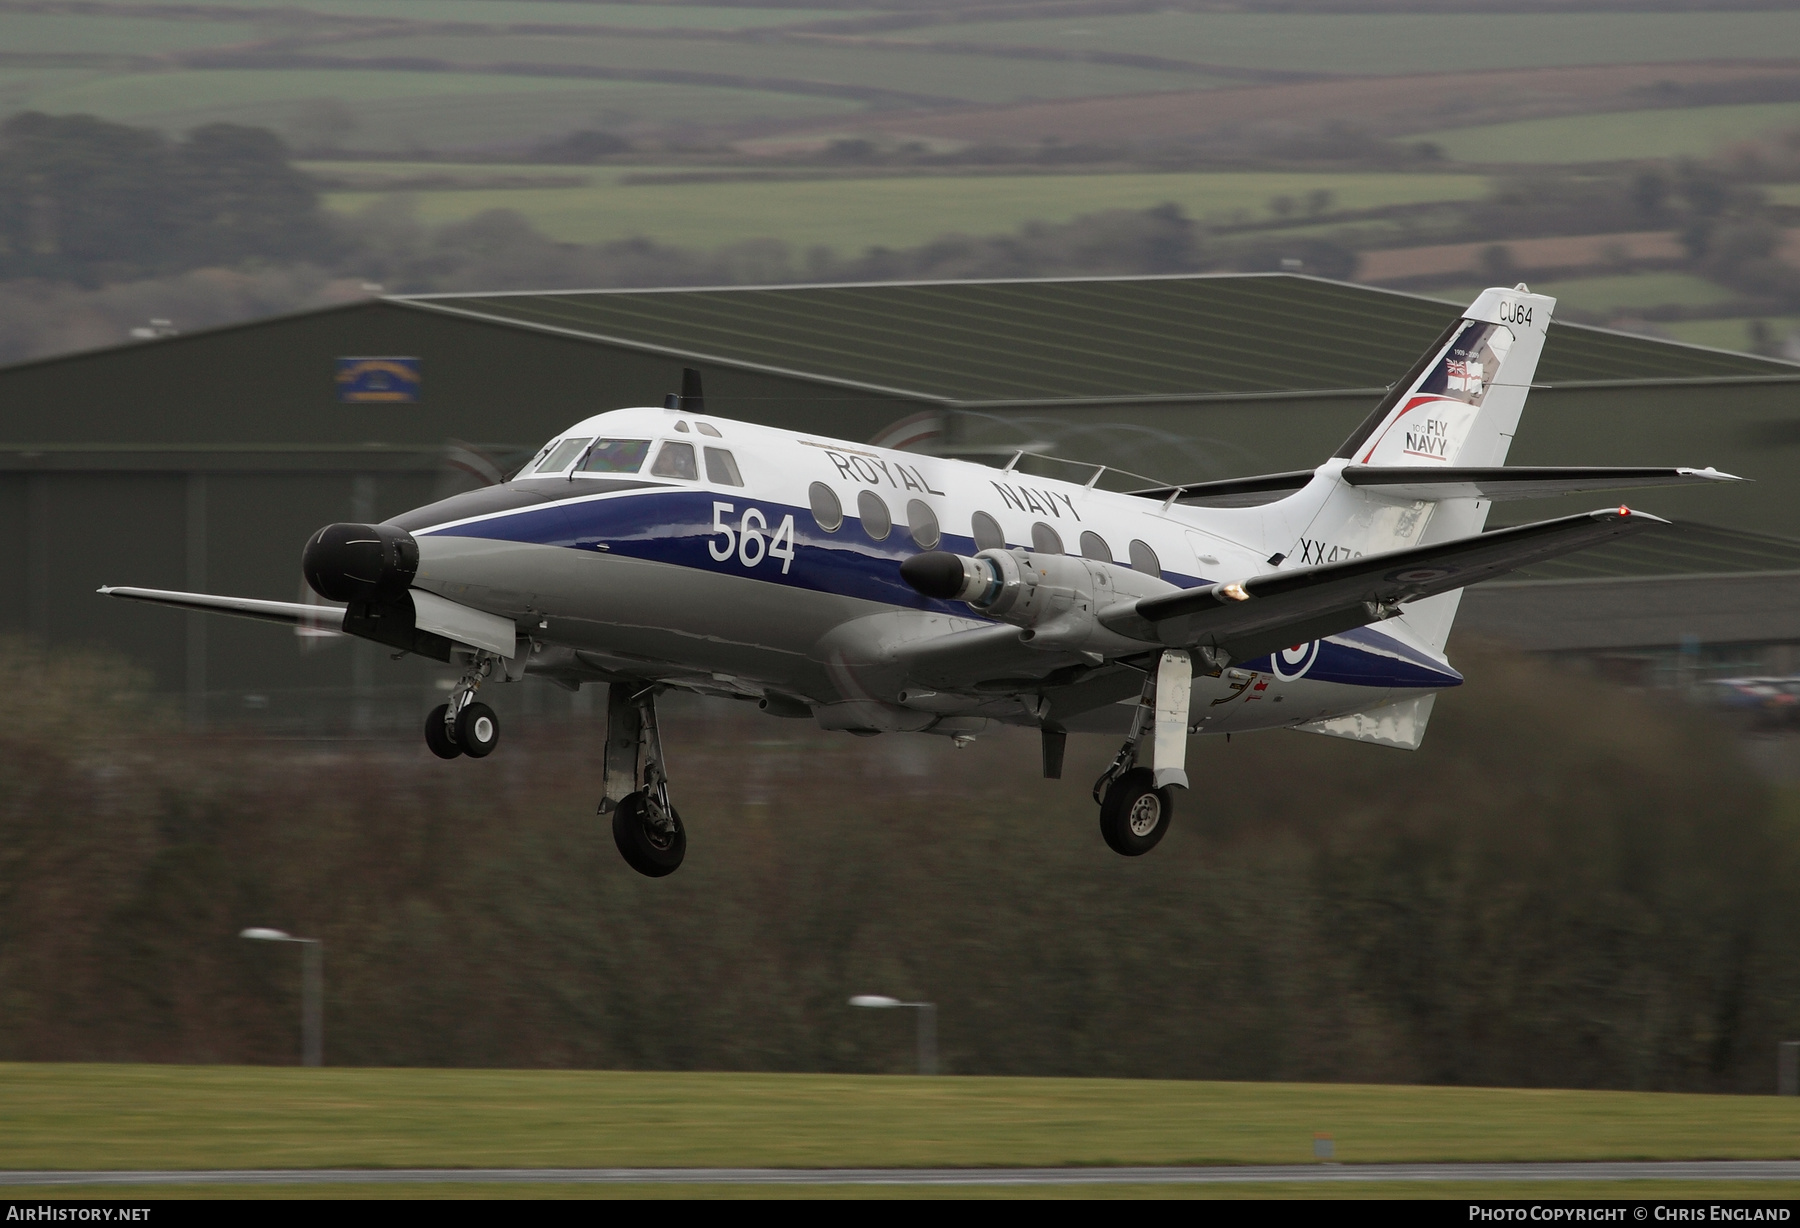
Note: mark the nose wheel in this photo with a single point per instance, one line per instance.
(646, 827)
(462, 726)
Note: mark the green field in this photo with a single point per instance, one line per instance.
(140, 1117)
(849, 215)
(1627, 292)
(1727, 334)
(40, 33)
(407, 110)
(1383, 43)
(936, 75)
(1616, 136)
(644, 16)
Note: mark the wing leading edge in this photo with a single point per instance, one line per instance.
(1259, 615)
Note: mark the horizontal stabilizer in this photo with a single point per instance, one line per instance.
(1518, 481)
(292, 613)
(1492, 482)
(1261, 614)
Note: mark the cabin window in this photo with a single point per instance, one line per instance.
(1045, 540)
(1093, 546)
(676, 460)
(682, 427)
(826, 509)
(615, 456)
(924, 524)
(707, 428)
(1144, 559)
(987, 532)
(876, 519)
(561, 455)
(721, 468)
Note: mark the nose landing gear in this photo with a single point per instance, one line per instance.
(462, 726)
(646, 827)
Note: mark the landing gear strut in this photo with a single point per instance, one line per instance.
(462, 726)
(1136, 804)
(645, 825)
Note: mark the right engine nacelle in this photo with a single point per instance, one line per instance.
(1055, 597)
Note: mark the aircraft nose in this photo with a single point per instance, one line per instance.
(360, 562)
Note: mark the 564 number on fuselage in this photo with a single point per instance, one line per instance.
(747, 541)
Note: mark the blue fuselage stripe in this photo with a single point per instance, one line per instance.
(676, 526)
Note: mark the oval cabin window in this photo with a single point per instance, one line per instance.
(1144, 559)
(876, 519)
(1093, 546)
(986, 531)
(827, 512)
(1045, 540)
(924, 524)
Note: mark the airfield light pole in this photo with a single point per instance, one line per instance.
(312, 991)
(927, 1025)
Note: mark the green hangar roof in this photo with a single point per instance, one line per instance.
(1102, 338)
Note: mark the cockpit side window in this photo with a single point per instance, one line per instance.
(561, 455)
(676, 460)
(616, 456)
(721, 468)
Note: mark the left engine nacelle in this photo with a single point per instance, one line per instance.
(1057, 599)
(360, 562)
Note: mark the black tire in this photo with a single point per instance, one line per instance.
(437, 734)
(477, 731)
(652, 853)
(1135, 815)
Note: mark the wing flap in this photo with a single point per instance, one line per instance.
(290, 613)
(1271, 611)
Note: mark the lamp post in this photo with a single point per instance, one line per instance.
(927, 1025)
(312, 990)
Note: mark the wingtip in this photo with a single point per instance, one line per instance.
(1622, 512)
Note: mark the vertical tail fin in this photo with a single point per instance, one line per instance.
(1459, 405)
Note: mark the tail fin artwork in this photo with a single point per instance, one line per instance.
(1457, 409)
(1460, 405)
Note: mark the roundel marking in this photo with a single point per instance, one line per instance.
(1420, 575)
(1291, 663)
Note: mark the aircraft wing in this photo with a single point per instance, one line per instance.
(293, 613)
(1259, 615)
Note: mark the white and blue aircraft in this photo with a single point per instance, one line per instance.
(879, 591)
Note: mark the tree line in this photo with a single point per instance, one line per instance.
(1570, 885)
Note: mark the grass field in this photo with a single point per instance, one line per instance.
(849, 215)
(1727, 334)
(1629, 292)
(1617, 136)
(1404, 42)
(134, 1117)
(952, 77)
(1511, 1190)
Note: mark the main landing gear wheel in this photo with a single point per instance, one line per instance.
(477, 731)
(1135, 815)
(651, 847)
(437, 734)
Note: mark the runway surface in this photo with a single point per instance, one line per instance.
(1656, 1170)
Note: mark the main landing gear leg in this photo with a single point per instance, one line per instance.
(645, 825)
(1135, 802)
(462, 726)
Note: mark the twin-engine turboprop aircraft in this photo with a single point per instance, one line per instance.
(879, 591)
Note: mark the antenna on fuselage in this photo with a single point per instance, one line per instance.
(690, 397)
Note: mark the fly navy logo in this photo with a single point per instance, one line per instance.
(378, 380)
(1025, 499)
(1313, 552)
(1430, 438)
(872, 469)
